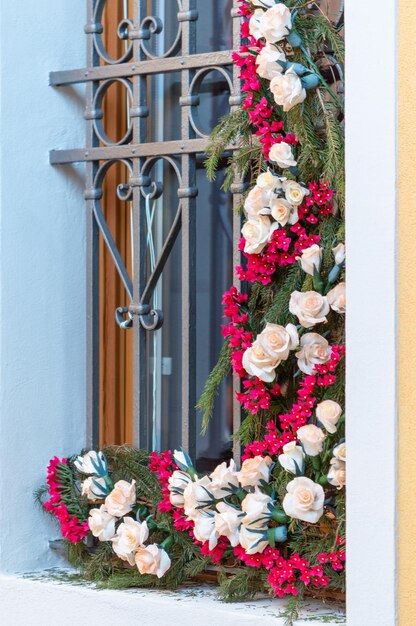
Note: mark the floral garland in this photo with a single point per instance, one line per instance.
(228, 517)
(72, 528)
(281, 515)
(283, 246)
(282, 228)
(232, 508)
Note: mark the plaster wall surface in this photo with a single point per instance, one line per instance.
(371, 240)
(42, 269)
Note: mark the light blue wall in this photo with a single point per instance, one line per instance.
(42, 269)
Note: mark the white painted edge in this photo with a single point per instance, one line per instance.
(45, 603)
(371, 168)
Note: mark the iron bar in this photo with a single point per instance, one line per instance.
(164, 255)
(92, 254)
(144, 68)
(237, 190)
(188, 195)
(130, 151)
(141, 422)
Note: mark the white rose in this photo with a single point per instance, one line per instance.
(328, 413)
(130, 536)
(224, 480)
(197, 495)
(275, 23)
(102, 524)
(152, 560)
(204, 529)
(293, 457)
(257, 507)
(339, 253)
(93, 463)
(182, 459)
(254, 471)
(254, 25)
(337, 470)
(277, 341)
(281, 153)
(310, 307)
(304, 500)
(257, 199)
(271, 347)
(283, 212)
(337, 473)
(312, 438)
(257, 234)
(257, 363)
(177, 483)
(94, 488)
(228, 522)
(254, 540)
(340, 452)
(337, 298)
(311, 259)
(268, 182)
(287, 89)
(294, 192)
(314, 351)
(268, 62)
(122, 498)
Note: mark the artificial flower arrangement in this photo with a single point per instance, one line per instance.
(276, 523)
(143, 520)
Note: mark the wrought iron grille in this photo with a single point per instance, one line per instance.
(139, 154)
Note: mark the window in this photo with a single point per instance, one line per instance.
(154, 93)
(42, 265)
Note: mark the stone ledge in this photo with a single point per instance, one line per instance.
(48, 599)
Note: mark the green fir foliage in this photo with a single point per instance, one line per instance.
(241, 586)
(232, 130)
(292, 611)
(279, 313)
(217, 375)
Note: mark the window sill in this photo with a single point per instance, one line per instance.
(43, 599)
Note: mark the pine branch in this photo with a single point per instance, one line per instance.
(102, 564)
(333, 164)
(127, 463)
(279, 313)
(217, 375)
(129, 579)
(304, 123)
(69, 491)
(250, 428)
(329, 237)
(319, 34)
(196, 566)
(243, 585)
(39, 495)
(292, 611)
(231, 128)
(246, 163)
(77, 553)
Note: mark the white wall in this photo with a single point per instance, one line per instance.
(42, 271)
(371, 131)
